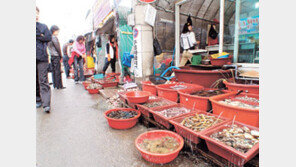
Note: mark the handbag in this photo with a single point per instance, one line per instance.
(213, 33)
(156, 47)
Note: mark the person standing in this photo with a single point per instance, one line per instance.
(66, 49)
(54, 49)
(188, 42)
(111, 54)
(43, 94)
(77, 57)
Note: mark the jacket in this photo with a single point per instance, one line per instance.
(54, 47)
(188, 40)
(77, 50)
(110, 50)
(43, 36)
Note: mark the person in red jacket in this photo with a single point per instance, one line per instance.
(78, 56)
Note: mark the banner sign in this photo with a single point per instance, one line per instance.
(249, 25)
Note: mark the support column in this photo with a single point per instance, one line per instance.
(177, 35)
(221, 29)
(236, 31)
(143, 43)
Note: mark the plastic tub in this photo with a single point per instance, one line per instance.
(200, 77)
(122, 123)
(85, 84)
(147, 111)
(154, 157)
(228, 152)
(108, 83)
(137, 96)
(149, 87)
(220, 61)
(194, 101)
(190, 134)
(171, 94)
(244, 115)
(93, 91)
(164, 120)
(236, 87)
(196, 59)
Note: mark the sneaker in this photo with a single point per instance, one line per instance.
(46, 109)
(38, 104)
(76, 82)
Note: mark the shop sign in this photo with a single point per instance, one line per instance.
(150, 15)
(137, 60)
(249, 25)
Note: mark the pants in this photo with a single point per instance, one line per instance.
(112, 62)
(43, 93)
(66, 65)
(186, 56)
(78, 61)
(56, 72)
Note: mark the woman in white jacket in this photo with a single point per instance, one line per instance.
(111, 54)
(188, 42)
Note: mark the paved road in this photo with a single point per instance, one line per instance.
(76, 134)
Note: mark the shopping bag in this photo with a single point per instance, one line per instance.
(90, 62)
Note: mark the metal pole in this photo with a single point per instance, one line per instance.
(221, 30)
(177, 35)
(236, 31)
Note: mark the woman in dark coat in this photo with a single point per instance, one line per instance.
(54, 49)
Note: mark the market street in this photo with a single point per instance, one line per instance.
(76, 134)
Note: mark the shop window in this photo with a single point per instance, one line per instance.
(249, 32)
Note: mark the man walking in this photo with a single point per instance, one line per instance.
(43, 94)
(66, 53)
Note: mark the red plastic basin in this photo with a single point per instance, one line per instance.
(85, 84)
(154, 157)
(190, 134)
(228, 152)
(236, 87)
(221, 61)
(149, 87)
(147, 111)
(93, 91)
(122, 123)
(167, 92)
(137, 96)
(201, 77)
(194, 101)
(244, 115)
(164, 120)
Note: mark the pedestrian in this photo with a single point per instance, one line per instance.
(188, 42)
(78, 56)
(43, 94)
(66, 53)
(55, 52)
(111, 54)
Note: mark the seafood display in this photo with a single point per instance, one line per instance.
(240, 138)
(200, 122)
(114, 101)
(162, 145)
(249, 99)
(155, 104)
(122, 114)
(152, 97)
(207, 93)
(94, 86)
(238, 104)
(172, 112)
(178, 87)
